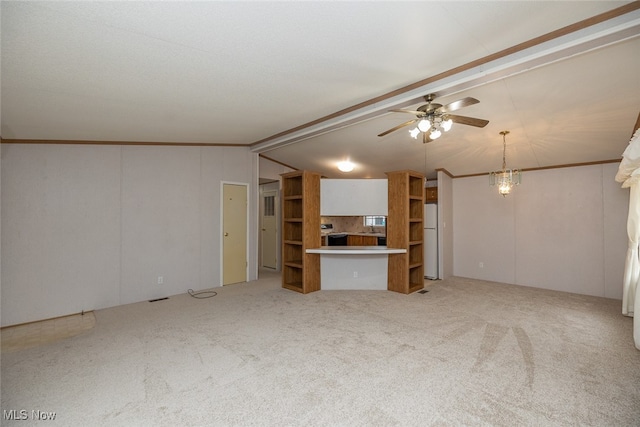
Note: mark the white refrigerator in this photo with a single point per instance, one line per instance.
(431, 241)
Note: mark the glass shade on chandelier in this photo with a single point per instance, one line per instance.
(505, 179)
(434, 127)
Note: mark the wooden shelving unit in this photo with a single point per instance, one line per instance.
(300, 231)
(405, 231)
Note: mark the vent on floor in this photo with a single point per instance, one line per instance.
(424, 291)
(158, 299)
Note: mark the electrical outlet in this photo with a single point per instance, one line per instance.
(481, 264)
(355, 274)
(160, 280)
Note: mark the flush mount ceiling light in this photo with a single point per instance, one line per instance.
(345, 166)
(433, 119)
(506, 178)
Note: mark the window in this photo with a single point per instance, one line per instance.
(375, 221)
(269, 206)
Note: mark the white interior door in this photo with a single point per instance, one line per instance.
(234, 233)
(269, 237)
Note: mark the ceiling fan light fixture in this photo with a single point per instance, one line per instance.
(424, 125)
(432, 119)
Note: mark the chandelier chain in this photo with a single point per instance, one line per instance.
(504, 153)
(504, 149)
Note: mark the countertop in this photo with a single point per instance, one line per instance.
(356, 250)
(351, 233)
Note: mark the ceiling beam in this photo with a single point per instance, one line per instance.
(619, 24)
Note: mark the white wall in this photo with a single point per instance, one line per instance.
(0, 229)
(270, 170)
(89, 226)
(562, 229)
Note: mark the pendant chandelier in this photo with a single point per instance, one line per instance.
(506, 178)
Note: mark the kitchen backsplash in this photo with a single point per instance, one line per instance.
(353, 224)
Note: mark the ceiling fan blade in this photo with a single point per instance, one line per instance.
(398, 127)
(471, 121)
(456, 105)
(417, 113)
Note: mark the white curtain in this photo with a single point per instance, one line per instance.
(629, 175)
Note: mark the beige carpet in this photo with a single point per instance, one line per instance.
(34, 334)
(465, 353)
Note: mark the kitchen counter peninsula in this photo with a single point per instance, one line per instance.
(355, 250)
(353, 233)
(354, 267)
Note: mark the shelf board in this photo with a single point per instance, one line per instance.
(293, 242)
(415, 286)
(295, 263)
(293, 286)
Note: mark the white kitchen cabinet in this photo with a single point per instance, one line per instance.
(353, 197)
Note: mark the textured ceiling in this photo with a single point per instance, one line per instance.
(243, 72)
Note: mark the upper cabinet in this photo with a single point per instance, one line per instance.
(431, 195)
(353, 197)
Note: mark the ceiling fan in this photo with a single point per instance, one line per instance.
(431, 118)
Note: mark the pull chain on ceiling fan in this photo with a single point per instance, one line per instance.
(432, 118)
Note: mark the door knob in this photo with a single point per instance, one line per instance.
(226, 234)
